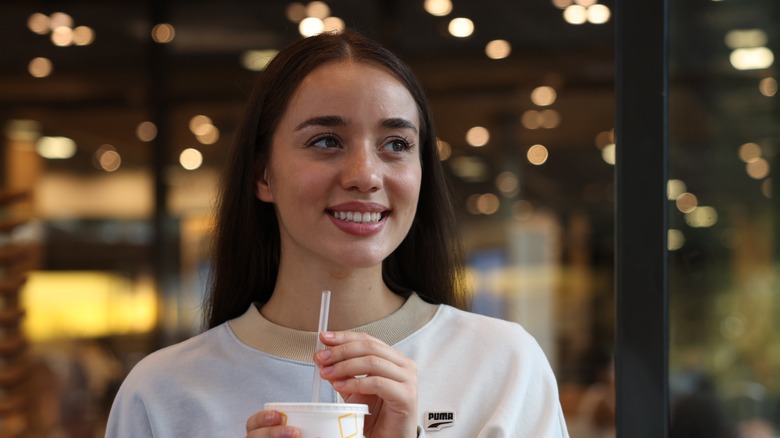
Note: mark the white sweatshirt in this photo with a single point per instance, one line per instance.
(478, 377)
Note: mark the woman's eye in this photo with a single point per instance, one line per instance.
(326, 142)
(396, 145)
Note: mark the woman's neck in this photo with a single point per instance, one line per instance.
(358, 297)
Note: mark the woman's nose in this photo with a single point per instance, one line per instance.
(362, 171)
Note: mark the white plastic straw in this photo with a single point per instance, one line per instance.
(316, 382)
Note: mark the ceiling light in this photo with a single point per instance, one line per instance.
(752, 58)
(40, 67)
(55, 148)
(477, 136)
(438, 8)
(461, 27)
(498, 49)
(311, 26)
(575, 14)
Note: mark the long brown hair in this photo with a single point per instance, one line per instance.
(247, 245)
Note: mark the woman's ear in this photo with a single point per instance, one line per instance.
(264, 192)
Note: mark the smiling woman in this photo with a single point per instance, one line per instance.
(335, 183)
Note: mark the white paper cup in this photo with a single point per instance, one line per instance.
(323, 420)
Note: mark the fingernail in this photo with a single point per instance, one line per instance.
(288, 432)
(327, 370)
(323, 354)
(339, 384)
(269, 416)
(328, 335)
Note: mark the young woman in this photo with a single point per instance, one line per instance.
(335, 183)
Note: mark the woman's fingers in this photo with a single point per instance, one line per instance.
(268, 424)
(382, 370)
(348, 345)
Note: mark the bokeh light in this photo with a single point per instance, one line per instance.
(461, 27)
(477, 136)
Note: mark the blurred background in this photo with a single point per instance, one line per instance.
(116, 121)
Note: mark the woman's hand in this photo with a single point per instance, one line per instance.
(268, 424)
(387, 382)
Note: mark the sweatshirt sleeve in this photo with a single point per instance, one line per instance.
(128, 417)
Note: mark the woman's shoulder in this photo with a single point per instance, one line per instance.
(177, 359)
(475, 322)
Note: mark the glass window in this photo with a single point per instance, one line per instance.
(723, 219)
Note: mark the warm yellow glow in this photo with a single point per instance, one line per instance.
(83, 36)
(743, 38)
(585, 3)
(508, 184)
(768, 87)
(522, 210)
(59, 19)
(110, 161)
(543, 96)
(471, 203)
(469, 168)
(200, 124)
(62, 36)
(296, 12)
(445, 150)
(675, 188)
(257, 60)
(68, 304)
(604, 138)
(317, 9)
(438, 8)
(598, 14)
(477, 136)
(488, 203)
(461, 27)
(758, 168)
(38, 23)
(537, 154)
(498, 49)
(311, 26)
(766, 188)
(40, 67)
(752, 58)
(675, 239)
(333, 24)
(686, 202)
(209, 134)
(107, 158)
(550, 118)
(531, 119)
(146, 131)
(575, 14)
(749, 152)
(608, 154)
(55, 148)
(190, 159)
(163, 33)
(23, 130)
(702, 217)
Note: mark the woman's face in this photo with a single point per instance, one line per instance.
(344, 172)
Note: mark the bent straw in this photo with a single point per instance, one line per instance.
(316, 382)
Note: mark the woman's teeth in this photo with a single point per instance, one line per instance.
(356, 216)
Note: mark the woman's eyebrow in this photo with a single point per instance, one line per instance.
(322, 121)
(398, 122)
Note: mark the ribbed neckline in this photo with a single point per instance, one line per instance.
(254, 330)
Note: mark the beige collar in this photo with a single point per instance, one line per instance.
(259, 333)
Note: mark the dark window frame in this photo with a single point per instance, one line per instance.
(641, 271)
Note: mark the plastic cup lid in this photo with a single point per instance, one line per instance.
(319, 407)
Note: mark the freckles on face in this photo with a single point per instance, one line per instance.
(345, 169)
